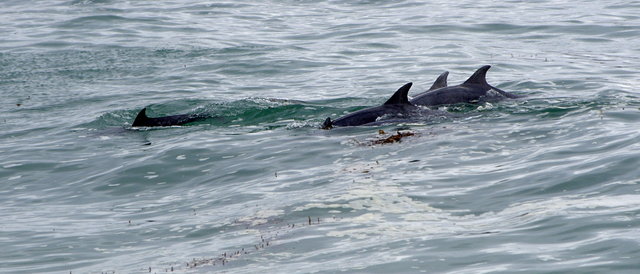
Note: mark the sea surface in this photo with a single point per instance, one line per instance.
(549, 183)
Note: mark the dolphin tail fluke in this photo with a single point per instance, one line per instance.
(141, 119)
(328, 124)
(479, 77)
(441, 82)
(401, 97)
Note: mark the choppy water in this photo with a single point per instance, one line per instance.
(549, 183)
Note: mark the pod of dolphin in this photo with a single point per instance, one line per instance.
(397, 108)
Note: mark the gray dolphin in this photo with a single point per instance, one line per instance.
(397, 106)
(471, 91)
(143, 121)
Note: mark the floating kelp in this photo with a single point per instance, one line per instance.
(395, 138)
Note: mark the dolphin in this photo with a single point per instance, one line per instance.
(143, 121)
(396, 106)
(471, 91)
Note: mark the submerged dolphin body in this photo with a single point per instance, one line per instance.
(397, 106)
(471, 91)
(143, 121)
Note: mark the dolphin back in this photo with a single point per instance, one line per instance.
(398, 104)
(142, 120)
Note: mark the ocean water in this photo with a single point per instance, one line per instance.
(547, 184)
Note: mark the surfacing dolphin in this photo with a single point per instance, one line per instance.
(398, 106)
(471, 91)
(174, 120)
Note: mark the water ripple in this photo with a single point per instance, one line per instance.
(547, 183)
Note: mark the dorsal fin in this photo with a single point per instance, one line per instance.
(401, 96)
(479, 77)
(328, 124)
(440, 82)
(140, 119)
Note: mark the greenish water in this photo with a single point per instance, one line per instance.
(548, 183)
